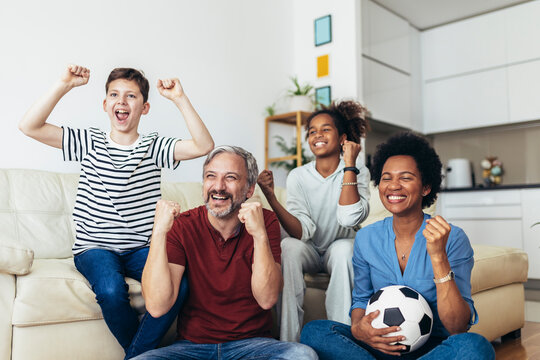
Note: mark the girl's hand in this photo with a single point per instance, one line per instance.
(350, 152)
(266, 183)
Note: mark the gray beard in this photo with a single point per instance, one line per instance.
(224, 213)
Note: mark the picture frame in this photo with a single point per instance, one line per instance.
(323, 95)
(323, 65)
(323, 30)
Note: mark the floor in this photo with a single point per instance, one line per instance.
(528, 346)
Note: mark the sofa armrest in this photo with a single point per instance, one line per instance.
(15, 258)
(7, 296)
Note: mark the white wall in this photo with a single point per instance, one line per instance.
(233, 58)
(345, 49)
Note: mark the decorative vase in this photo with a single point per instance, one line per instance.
(300, 103)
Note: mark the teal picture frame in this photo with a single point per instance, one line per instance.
(323, 95)
(323, 30)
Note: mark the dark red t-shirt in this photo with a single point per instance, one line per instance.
(220, 306)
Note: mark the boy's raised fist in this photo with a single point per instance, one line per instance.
(76, 75)
(170, 88)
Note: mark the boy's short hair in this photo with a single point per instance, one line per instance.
(131, 75)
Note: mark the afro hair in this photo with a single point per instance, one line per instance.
(428, 162)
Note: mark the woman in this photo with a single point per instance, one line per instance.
(326, 199)
(410, 248)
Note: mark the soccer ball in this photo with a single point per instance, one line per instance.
(404, 307)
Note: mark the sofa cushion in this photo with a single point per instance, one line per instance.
(496, 266)
(35, 210)
(15, 258)
(55, 292)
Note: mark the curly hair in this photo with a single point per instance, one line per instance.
(428, 162)
(349, 118)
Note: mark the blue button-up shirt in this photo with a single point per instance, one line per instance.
(376, 265)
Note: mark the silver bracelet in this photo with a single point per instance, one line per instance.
(349, 183)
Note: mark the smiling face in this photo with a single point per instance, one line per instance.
(400, 188)
(124, 104)
(323, 137)
(225, 185)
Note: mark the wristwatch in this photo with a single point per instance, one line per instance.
(448, 277)
(354, 169)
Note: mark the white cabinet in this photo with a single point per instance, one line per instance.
(387, 93)
(475, 100)
(465, 46)
(524, 91)
(523, 32)
(491, 217)
(385, 36)
(497, 217)
(531, 236)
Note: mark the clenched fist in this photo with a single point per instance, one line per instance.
(170, 88)
(350, 152)
(251, 214)
(266, 183)
(166, 212)
(75, 75)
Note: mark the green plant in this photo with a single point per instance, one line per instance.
(270, 110)
(289, 150)
(299, 89)
(536, 223)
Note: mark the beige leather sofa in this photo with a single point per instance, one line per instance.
(48, 310)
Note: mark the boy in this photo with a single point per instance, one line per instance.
(118, 189)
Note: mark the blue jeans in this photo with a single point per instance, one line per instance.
(254, 348)
(105, 270)
(333, 340)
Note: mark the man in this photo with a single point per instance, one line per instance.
(232, 253)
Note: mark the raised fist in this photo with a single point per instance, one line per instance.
(75, 75)
(170, 88)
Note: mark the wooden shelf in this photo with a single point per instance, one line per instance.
(296, 118)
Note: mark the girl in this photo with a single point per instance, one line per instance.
(326, 200)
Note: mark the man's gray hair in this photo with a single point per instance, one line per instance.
(251, 163)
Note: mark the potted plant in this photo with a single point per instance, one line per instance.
(289, 150)
(301, 96)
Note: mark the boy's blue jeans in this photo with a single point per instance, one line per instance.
(334, 340)
(105, 270)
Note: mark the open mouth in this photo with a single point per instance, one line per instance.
(319, 143)
(121, 114)
(220, 197)
(396, 198)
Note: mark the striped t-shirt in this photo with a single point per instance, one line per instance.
(119, 187)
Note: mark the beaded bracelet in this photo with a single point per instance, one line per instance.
(349, 183)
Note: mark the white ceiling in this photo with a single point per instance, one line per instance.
(425, 14)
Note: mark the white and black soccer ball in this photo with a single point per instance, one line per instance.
(404, 307)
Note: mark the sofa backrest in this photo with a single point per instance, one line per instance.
(36, 208)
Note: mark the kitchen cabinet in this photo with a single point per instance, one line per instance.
(487, 217)
(465, 46)
(524, 90)
(523, 32)
(531, 236)
(387, 93)
(497, 217)
(385, 36)
(391, 80)
(464, 102)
